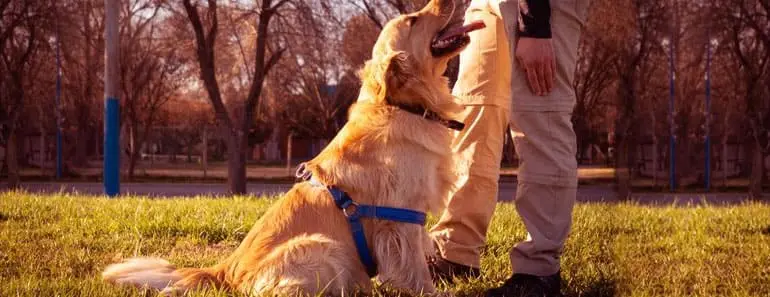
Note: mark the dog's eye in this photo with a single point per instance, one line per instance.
(411, 20)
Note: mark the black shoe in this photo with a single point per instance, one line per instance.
(444, 270)
(525, 285)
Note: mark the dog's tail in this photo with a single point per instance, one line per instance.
(161, 275)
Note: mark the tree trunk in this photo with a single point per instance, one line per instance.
(4, 164)
(624, 136)
(654, 158)
(757, 171)
(43, 150)
(98, 142)
(133, 153)
(189, 152)
(81, 145)
(707, 172)
(683, 150)
(288, 151)
(724, 160)
(12, 160)
(622, 172)
(205, 153)
(236, 164)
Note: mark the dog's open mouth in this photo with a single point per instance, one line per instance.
(453, 38)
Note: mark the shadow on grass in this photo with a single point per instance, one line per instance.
(3, 217)
(600, 288)
(766, 231)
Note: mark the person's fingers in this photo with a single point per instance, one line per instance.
(553, 69)
(532, 77)
(548, 72)
(542, 77)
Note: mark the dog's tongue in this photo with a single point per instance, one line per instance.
(462, 30)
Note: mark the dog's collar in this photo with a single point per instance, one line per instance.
(429, 115)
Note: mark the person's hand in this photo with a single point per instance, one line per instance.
(536, 58)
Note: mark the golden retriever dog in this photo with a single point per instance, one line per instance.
(386, 155)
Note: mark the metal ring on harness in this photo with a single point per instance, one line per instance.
(302, 172)
(351, 214)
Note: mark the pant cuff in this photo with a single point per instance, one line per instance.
(536, 267)
(457, 253)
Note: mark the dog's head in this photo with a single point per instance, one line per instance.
(411, 56)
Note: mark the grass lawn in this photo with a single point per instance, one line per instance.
(58, 245)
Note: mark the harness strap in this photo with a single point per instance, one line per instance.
(344, 203)
(354, 212)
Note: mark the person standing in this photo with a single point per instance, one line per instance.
(516, 73)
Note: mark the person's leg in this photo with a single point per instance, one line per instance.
(545, 142)
(483, 86)
(546, 190)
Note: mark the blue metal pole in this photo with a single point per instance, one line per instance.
(111, 103)
(672, 122)
(59, 115)
(707, 175)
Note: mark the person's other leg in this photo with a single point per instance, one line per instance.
(545, 142)
(483, 86)
(546, 190)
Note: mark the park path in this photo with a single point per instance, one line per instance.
(586, 193)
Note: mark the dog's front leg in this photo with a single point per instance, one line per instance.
(399, 250)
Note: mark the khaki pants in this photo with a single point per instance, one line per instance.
(497, 96)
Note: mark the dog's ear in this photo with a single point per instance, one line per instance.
(381, 77)
(397, 71)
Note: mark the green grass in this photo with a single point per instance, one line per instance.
(57, 245)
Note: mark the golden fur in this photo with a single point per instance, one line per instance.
(383, 156)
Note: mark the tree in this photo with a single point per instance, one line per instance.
(358, 40)
(150, 66)
(629, 31)
(745, 25)
(380, 11)
(593, 78)
(205, 37)
(78, 25)
(21, 34)
(185, 120)
(315, 83)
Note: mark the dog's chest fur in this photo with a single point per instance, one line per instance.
(388, 157)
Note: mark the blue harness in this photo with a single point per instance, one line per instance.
(354, 212)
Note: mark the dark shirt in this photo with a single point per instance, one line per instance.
(535, 18)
